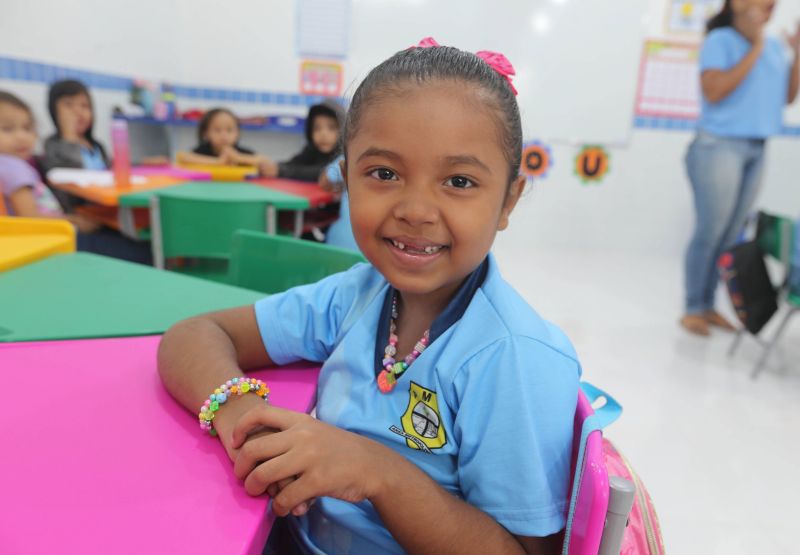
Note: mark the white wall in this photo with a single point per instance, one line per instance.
(643, 205)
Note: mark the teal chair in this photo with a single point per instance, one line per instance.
(197, 222)
(274, 263)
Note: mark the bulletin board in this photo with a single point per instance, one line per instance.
(669, 81)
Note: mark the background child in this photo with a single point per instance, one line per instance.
(25, 195)
(218, 135)
(462, 446)
(322, 146)
(72, 145)
(23, 192)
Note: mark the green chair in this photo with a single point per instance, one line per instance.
(197, 221)
(273, 263)
(775, 236)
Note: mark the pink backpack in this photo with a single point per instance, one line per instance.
(643, 533)
(589, 521)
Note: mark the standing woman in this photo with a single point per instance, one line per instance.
(746, 80)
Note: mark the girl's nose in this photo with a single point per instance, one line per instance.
(417, 206)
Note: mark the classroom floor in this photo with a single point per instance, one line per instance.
(717, 451)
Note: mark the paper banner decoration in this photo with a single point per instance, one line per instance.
(537, 159)
(592, 164)
(321, 78)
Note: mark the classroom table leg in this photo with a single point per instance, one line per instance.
(298, 223)
(272, 220)
(126, 223)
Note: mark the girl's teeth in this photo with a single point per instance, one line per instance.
(427, 250)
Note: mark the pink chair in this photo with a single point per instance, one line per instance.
(590, 505)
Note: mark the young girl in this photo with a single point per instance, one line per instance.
(73, 144)
(25, 195)
(445, 402)
(23, 192)
(322, 145)
(218, 137)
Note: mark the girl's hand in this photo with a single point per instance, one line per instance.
(229, 156)
(267, 167)
(322, 459)
(84, 224)
(793, 39)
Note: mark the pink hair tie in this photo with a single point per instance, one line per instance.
(496, 60)
(500, 64)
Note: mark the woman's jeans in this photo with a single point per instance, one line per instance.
(725, 174)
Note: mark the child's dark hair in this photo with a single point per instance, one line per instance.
(723, 19)
(205, 121)
(8, 98)
(68, 87)
(420, 65)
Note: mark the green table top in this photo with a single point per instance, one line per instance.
(218, 191)
(81, 295)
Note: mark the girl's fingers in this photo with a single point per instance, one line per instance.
(269, 472)
(257, 450)
(295, 497)
(268, 416)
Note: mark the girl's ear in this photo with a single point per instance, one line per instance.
(514, 192)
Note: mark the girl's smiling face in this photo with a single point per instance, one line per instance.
(429, 185)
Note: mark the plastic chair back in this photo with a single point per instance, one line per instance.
(774, 236)
(198, 221)
(272, 263)
(589, 515)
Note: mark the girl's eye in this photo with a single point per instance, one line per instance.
(460, 182)
(384, 174)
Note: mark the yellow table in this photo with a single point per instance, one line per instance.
(26, 240)
(223, 173)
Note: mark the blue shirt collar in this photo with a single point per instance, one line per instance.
(450, 315)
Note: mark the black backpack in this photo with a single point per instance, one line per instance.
(745, 274)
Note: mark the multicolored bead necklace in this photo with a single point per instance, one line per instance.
(392, 370)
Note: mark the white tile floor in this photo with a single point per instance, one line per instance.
(718, 452)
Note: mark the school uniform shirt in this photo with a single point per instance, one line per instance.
(486, 410)
(16, 174)
(206, 149)
(754, 110)
(59, 153)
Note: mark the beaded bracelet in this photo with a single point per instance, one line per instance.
(234, 386)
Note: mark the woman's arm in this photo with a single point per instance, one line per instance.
(717, 84)
(197, 355)
(794, 73)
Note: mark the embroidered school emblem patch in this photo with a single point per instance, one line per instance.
(422, 425)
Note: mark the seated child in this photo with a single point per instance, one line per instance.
(218, 137)
(322, 146)
(25, 195)
(72, 145)
(445, 402)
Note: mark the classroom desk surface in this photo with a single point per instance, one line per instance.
(100, 459)
(109, 196)
(220, 191)
(311, 191)
(23, 249)
(82, 295)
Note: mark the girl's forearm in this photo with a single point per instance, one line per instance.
(794, 78)
(717, 85)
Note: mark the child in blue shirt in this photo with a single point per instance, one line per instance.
(446, 403)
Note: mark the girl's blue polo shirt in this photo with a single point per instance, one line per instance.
(486, 410)
(754, 110)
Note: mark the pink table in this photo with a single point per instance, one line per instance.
(103, 460)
